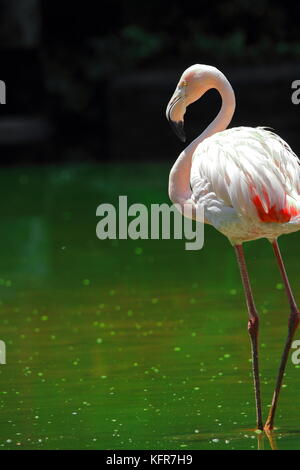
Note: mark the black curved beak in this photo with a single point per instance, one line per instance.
(177, 126)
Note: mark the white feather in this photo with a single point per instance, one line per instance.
(230, 167)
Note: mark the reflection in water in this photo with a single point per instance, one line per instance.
(235, 438)
(26, 240)
(260, 441)
(271, 435)
(129, 344)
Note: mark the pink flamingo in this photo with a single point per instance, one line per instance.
(248, 181)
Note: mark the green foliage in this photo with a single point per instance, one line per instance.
(160, 34)
(123, 51)
(72, 73)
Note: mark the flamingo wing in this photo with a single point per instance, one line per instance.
(245, 172)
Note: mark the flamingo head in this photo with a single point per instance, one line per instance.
(194, 82)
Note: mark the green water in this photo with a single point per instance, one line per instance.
(130, 344)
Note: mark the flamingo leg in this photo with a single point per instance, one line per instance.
(294, 319)
(253, 326)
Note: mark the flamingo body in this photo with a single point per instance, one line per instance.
(248, 181)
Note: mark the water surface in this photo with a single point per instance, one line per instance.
(130, 344)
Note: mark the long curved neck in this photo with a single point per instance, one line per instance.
(179, 180)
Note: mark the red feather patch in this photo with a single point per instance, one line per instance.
(273, 214)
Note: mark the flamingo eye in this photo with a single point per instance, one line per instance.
(183, 83)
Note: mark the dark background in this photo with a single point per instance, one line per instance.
(91, 80)
(136, 343)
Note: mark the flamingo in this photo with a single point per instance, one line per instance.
(247, 180)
